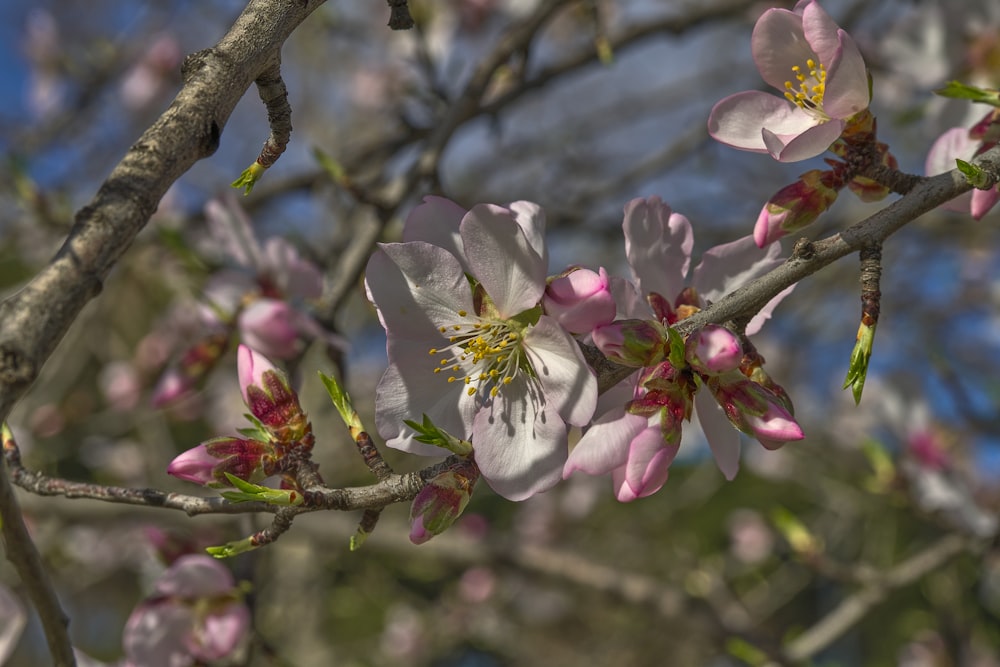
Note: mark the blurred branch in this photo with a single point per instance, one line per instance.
(876, 589)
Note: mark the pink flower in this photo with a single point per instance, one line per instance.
(636, 343)
(269, 325)
(195, 615)
(483, 363)
(822, 78)
(954, 144)
(580, 300)
(271, 399)
(658, 245)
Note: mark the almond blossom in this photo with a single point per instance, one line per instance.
(469, 347)
(822, 78)
(195, 616)
(638, 431)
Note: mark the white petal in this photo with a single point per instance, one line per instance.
(658, 246)
(723, 439)
(520, 443)
(502, 259)
(605, 445)
(568, 384)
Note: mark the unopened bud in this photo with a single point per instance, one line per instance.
(635, 343)
(442, 501)
(713, 349)
(795, 206)
(580, 300)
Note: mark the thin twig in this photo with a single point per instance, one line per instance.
(23, 555)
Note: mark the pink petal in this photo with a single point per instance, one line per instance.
(156, 633)
(293, 275)
(649, 460)
(794, 141)
(955, 143)
(737, 120)
(195, 575)
(821, 32)
(729, 266)
(778, 43)
(658, 244)
(520, 443)
(723, 439)
(221, 633)
(436, 221)
(250, 369)
(567, 382)
(604, 446)
(502, 259)
(846, 81)
(268, 326)
(983, 201)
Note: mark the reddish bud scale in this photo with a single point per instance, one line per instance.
(246, 459)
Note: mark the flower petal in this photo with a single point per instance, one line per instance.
(983, 201)
(436, 221)
(723, 439)
(417, 287)
(777, 44)
(737, 120)
(801, 143)
(604, 446)
(531, 219)
(658, 245)
(649, 460)
(728, 266)
(847, 90)
(409, 389)
(821, 32)
(568, 384)
(519, 443)
(502, 258)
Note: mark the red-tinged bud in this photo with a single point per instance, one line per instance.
(754, 409)
(271, 399)
(713, 349)
(580, 300)
(635, 343)
(983, 201)
(663, 310)
(208, 463)
(795, 206)
(442, 501)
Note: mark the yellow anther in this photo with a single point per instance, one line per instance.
(471, 391)
(462, 313)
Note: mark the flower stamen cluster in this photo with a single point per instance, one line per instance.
(492, 348)
(808, 94)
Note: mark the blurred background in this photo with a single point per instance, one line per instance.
(579, 106)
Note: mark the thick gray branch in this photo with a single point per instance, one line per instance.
(35, 319)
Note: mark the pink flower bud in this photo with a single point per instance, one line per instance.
(250, 369)
(713, 349)
(271, 399)
(580, 300)
(647, 467)
(755, 410)
(796, 206)
(442, 501)
(636, 343)
(195, 465)
(775, 427)
(269, 326)
(983, 201)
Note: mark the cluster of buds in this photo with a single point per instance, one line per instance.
(282, 432)
(711, 356)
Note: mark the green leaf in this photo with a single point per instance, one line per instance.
(430, 434)
(249, 177)
(961, 91)
(746, 652)
(342, 401)
(975, 175)
(677, 348)
(230, 549)
(860, 356)
(247, 492)
(334, 169)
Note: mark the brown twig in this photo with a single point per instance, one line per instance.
(274, 95)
